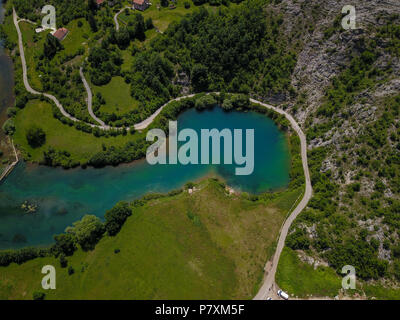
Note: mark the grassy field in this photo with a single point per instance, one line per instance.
(161, 16)
(300, 279)
(32, 50)
(381, 292)
(207, 245)
(58, 135)
(77, 36)
(117, 96)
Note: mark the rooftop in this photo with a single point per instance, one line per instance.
(61, 33)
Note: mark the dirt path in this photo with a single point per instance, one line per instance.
(90, 101)
(269, 283)
(116, 17)
(145, 123)
(25, 72)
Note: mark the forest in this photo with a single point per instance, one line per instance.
(239, 49)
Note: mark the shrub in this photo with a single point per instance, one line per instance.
(65, 244)
(396, 269)
(36, 136)
(361, 255)
(87, 231)
(149, 24)
(116, 217)
(298, 240)
(9, 127)
(227, 105)
(11, 112)
(71, 271)
(38, 295)
(205, 102)
(63, 261)
(22, 255)
(189, 185)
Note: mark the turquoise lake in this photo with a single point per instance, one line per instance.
(64, 196)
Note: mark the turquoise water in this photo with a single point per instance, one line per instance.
(64, 196)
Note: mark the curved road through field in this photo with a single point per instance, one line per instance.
(90, 101)
(269, 282)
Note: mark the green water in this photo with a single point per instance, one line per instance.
(64, 196)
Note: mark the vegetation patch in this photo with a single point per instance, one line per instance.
(302, 280)
(206, 245)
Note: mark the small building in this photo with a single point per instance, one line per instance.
(99, 3)
(60, 34)
(140, 4)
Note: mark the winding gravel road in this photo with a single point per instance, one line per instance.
(25, 73)
(90, 101)
(116, 17)
(269, 282)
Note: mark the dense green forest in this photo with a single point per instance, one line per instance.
(230, 49)
(66, 10)
(235, 50)
(240, 50)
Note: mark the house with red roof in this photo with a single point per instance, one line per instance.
(60, 34)
(140, 4)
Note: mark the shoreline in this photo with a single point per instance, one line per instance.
(9, 100)
(11, 166)
(268, 281)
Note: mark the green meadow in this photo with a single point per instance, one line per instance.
(117, 96)
(208, 245)
(32, 47)
(59, 135)
(161, 16)
(301, 279)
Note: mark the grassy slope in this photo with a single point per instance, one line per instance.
(59, 135)
(77, 36)
(380, 292)
(32, 49)
(161, 17)
(117, 96)
(300, 279)
(165, 254)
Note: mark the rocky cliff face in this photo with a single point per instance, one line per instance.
(360, 139)
(321, 58)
